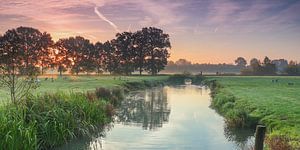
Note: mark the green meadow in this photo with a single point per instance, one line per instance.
(275, 104)
(82, 83)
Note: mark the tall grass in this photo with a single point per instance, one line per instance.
(44, 122)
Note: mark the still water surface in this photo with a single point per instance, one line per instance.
(167, 118)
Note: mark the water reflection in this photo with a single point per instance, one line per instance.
(168, 118)
(148, 109)
(243, 138)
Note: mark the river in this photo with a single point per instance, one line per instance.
(168, 117)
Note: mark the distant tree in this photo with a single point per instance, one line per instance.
(293, 68)
(157, 49)
(255, 65)
(268, 68)
(267, 60)
(241, 62)
(183, 62)
(171, 62)
(14, 56)
(281, 65)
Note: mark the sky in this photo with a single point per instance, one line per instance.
(202, 31)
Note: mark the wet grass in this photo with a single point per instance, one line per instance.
(245, 101)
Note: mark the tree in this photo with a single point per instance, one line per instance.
(255, 65)
(293, 68)
(34, 48)
(111, 63)
(61, 57)
(140, 40)
(157, 45)
(15, 46)
(99, 57)
(124, 47)
(183, 62)
(241, 62)
(77, 51)
(268, 68)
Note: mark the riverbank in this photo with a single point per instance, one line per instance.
(49, 119)
(272, 101)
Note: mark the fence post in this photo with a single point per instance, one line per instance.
(259, 137)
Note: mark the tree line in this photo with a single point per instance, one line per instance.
(240, 66)
(28, 51)
(268, 66)
(183, 65)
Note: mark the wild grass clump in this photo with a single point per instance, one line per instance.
(114, 96)
(285, 139)
(47, 121)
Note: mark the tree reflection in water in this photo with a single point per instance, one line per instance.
(148, 109)
(243, 138)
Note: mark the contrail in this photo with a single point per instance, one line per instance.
(216, 29)
(129, 28)
(105, 19)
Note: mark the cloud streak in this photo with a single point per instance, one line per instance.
(100, 15)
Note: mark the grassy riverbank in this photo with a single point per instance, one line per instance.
(84, 83)
(65, 109)
(245, 101)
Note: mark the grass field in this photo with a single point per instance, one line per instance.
(82, 83)
(276, 104)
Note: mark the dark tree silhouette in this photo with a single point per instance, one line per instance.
(99, 57)
(33, 49)
(240, 61)
(21, 51)
(293, 68)
(125, 47)
(157, 45)
(111, 61)
(77, 50)
(140, 40)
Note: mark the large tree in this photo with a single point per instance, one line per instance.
(22, 50)
(111, 57)
(33, 48)
(140, 40)
(77, 51)
(156, 45)
(124, 44)
(99, 56)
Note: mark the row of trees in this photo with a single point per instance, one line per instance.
(28, 51)
(268, 66)
(183, 65)
(25, 52)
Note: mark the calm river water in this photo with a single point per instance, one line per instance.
(167, 118)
